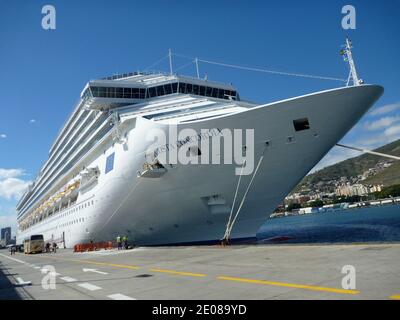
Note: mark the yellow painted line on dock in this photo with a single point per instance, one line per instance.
(125, 266)
(395, 297)
(179, 272)
(93, 262)
(224, 278)
(289, 285)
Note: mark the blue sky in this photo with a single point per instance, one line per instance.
(43, 71)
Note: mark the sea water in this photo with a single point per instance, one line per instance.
(367, 224)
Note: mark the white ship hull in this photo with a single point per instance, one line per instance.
(174, 208)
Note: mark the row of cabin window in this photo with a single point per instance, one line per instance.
(71, 222)
(86, 204)
(81, 206)
(141, 93)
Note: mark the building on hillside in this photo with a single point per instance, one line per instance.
(352, 190)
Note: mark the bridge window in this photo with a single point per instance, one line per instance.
(135, 93)
(102, 92)
(182, 87)
(160, 91)
(114, 92)
(152, 92)
(169, 88)
(119, 92)
(189, 88)
(127, 93)
(202, 91)
(142, 93)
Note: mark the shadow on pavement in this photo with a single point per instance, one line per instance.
(7, 289)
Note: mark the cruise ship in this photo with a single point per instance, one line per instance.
(104, 178)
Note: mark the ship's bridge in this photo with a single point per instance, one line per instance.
(131, 88)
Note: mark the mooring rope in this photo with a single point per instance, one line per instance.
(226, 235)
(369, 151)
(230, 227)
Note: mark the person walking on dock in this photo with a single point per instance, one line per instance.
(119, 244)
(125, 241)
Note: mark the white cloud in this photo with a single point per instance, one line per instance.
(9, 220)
(32, 120)
(385, 109)
(381, 123)
(379, 139)
(13, 188)
(3, 136)
(11, 185)
(392, 131)
(371, 143)
(10, 173)
(335, 155)
(380, 129)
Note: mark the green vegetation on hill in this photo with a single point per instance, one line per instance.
(387, 192)
(357, 166)
(387, 177)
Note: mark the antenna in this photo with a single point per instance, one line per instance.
(197, 67)
(170, 61)
(348, 56)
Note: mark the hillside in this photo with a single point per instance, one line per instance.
(388, 177)
(353, 167)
